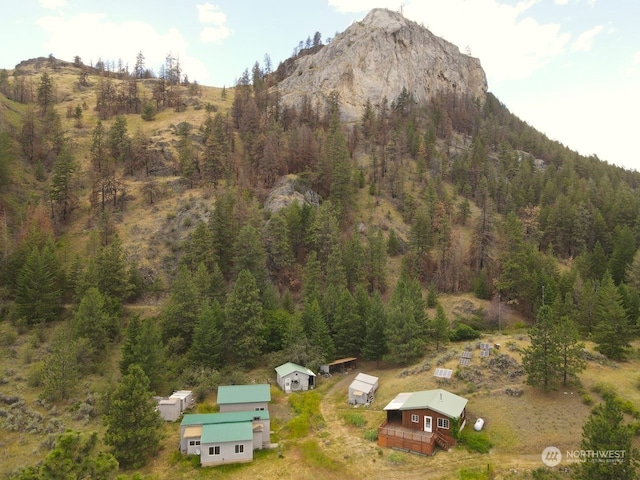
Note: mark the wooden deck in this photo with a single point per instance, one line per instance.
(392, 435)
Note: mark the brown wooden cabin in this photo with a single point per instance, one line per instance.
(418, 421)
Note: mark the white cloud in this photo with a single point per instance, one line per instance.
(93, 35)
(636, 58)
(214, 34)
(208, 13)
(562, 2)
(215, 19)
(585, 41)
(53, 4)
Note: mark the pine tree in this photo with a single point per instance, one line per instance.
(312, 279)
(570, 348)
(222, 225)
(541, 359)
(207, 348)
(624, 248)
(244, 322)
(143, 347)
(605, 431)
(61, 189)
(348, 327)
(92, 322)
(199, 248)
(112, 270)
(181, 313)
(316, 329)
(376, 261)
(250, 255)
(118, 139)
(612, 332)
(278, 244)
(406, 330)
(375, 341)
(38, 293)
(60, 372)
(134, 427)
(98, 147)
(45, 93)
(440, 327)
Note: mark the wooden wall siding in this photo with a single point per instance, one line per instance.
(407, 423)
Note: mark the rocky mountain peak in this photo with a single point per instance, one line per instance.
(378, 57)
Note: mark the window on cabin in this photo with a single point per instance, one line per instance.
(214, 450)
(415, 418)
(443, 423)
(239, 448)
(194, 443)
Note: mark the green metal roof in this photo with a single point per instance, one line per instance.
(438, 400)
(227, 432)
(223, 417)
(254, 393)
(290, 367)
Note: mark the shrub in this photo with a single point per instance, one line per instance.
(371, 435)
(8, 335)
(355, 419)
(148, 112)
(475, 442)
(463, 332)
(35, 375)
(396, 458)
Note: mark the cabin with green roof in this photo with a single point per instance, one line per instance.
(295, 378)
(238, 398)
(418, 421)
(229, 437)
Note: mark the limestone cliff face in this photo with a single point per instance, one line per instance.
(376, 58)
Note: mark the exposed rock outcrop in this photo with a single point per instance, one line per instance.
(288, 190)
(377, 58)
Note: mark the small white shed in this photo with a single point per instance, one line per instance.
(169, 409)
(295, 378)
(362, 389)
(174, 406)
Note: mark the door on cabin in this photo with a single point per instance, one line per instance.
(427, 424)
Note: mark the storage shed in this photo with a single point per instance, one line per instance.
(295, 378)
(171, 408)
(362, 389)
(340, 365)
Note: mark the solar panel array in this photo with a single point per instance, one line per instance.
(484, 353)
(465, 362)
(466, 354)
(485, 346)
(443, 373)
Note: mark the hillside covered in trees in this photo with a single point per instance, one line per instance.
(137, 227)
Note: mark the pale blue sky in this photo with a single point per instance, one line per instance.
(570, 68)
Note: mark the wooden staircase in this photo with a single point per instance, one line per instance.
(442, 441)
